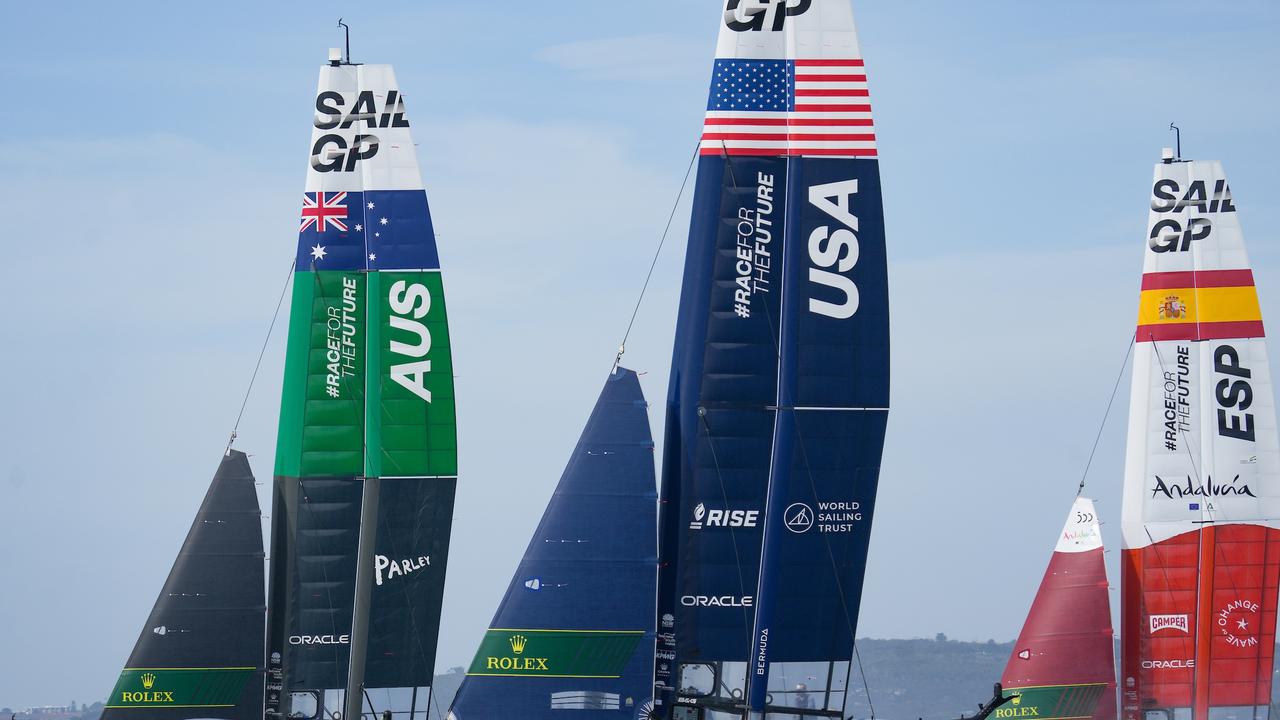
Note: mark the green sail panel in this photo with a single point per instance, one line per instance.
(367, 411)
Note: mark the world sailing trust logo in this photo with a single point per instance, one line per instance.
(1169, 622)
(756, 15)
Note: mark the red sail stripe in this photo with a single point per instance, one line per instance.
(779, 152)
(828, 92)
(828, 63)
(816, 137)
(800, 77)
(833, 108)
(1199, 278)
(1201, 331)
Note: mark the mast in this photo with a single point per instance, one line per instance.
(354, 695)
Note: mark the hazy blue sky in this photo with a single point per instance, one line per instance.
(151, 167)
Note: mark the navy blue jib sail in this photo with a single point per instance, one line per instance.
(780, 377)
(574, 631)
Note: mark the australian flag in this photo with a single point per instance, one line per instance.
(372, 230)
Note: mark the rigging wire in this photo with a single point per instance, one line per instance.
(622, 348)
(262, 352)
(1133, 340)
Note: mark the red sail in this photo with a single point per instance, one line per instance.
(1063, 664)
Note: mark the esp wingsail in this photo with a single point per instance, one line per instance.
(1202, 474)
(200, 653)
(575, 629)
(366, 465)
(1063, 663)
(779, 388)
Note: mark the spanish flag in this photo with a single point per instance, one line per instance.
(1203, 305)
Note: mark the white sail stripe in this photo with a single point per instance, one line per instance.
(823, 115)
(829, 85)
(789, 144)
(713, 127)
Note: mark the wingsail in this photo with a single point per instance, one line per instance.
(366, 465)
(200, 653)
(574, 631)
(1201, 558)
(780, 377)
(1063, 663)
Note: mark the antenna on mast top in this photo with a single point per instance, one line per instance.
(347, 29)
(1178, 136)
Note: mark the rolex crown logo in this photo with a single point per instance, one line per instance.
(148, 680)
(517, 643)
(1017, 699)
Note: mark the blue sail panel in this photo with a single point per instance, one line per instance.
(575, 628)
(780, 374)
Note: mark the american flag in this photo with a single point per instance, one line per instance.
(789, 107)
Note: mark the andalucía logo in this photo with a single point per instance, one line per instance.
(747, 15)
(1208, 489)
(1170, 622)
(1238, 622)
(146, 696)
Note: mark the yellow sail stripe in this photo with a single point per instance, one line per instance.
(1199, 305)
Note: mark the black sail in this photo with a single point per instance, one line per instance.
(200, 653)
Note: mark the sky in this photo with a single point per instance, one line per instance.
(149, 184)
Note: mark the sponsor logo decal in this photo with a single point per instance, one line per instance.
(1170, 622)
(733, 601)
(340, 347)
(1233, 393)
(319, 639)
(831, 517)
(1016, 709)
(753, 261)
(518, 662)
(1175, 234)
(762, 653)
(834, 254)
(341, 152)
(1169, 664)
(1024, 655)
(756, 15)
(719, 518)
(1239, 624)
(1174, 489)
(384, 568)
(668, 620)
(147, 696)
(798, 518)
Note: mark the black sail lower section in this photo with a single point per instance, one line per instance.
(411, 553)
(200, 653)
(315, 539)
